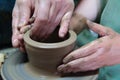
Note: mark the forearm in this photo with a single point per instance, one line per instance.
(88, 8)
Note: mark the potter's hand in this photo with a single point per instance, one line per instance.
(104, 51)
(48, 15)
(21, 14)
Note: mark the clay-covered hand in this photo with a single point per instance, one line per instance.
(21, 15)
(104, 51)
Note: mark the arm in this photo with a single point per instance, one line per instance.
(88, 8)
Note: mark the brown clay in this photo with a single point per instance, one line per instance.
(47, 56)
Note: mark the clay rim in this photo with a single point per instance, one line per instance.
(36, 44)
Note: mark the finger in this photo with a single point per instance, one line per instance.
(21, 42)
(82, 64)
(54, 10)
(15, 20)
(84, 51)
(33, 30)
(15, 17)
(25, 28)
(55, 23)
(22, 46)
(64, 68)
(15, 41)
(20, 38)
(52, 15)
(65, 23)
(25, 12)
(39, 28)
(101, 30)
(36, 7)
(71, 66)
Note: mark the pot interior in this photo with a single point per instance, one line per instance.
(54, 37)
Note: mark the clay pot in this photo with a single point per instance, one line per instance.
(48, 55)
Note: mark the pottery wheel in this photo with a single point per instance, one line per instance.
(16, 67)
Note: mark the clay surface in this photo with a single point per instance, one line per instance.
(46, 56)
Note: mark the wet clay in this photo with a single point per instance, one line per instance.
(46, 56)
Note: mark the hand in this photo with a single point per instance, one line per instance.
(21, 15)
(48, 15)
(104, 51)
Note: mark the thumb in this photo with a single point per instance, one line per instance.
(101, 30)
(65, 23)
